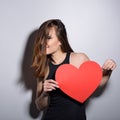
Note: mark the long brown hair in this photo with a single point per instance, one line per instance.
(40, 59)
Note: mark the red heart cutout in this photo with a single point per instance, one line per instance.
(79, 83)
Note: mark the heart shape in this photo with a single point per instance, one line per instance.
(79, 83)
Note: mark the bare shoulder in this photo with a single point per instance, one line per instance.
(82, 56)
(78, 58)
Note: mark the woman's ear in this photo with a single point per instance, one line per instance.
(60, 43)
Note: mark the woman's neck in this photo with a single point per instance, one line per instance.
(58, 57)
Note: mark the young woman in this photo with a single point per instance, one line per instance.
(52, 49)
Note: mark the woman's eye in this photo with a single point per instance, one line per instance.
(49, 37)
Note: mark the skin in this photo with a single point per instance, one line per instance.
(53, 48)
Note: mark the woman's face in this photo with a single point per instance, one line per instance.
(52, 44)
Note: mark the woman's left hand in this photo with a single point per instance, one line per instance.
(107, 68)
(109, 65)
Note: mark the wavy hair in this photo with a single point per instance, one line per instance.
(40, 58)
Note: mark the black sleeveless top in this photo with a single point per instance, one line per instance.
(61, 106)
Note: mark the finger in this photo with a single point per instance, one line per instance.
(52, 81)
(107, 65)
(51, 85)
(113, 67)
(49, 88)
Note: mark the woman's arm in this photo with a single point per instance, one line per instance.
(42, 92)
(41, 97)
(107, 68)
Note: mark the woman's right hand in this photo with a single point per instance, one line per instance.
(50, 85)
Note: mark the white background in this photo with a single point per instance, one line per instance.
(93, 27)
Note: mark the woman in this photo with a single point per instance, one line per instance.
(52, 49)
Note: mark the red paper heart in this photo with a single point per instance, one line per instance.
(79, 83)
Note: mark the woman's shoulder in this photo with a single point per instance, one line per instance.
(78, 58)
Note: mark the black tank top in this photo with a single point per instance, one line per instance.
(61, 106)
